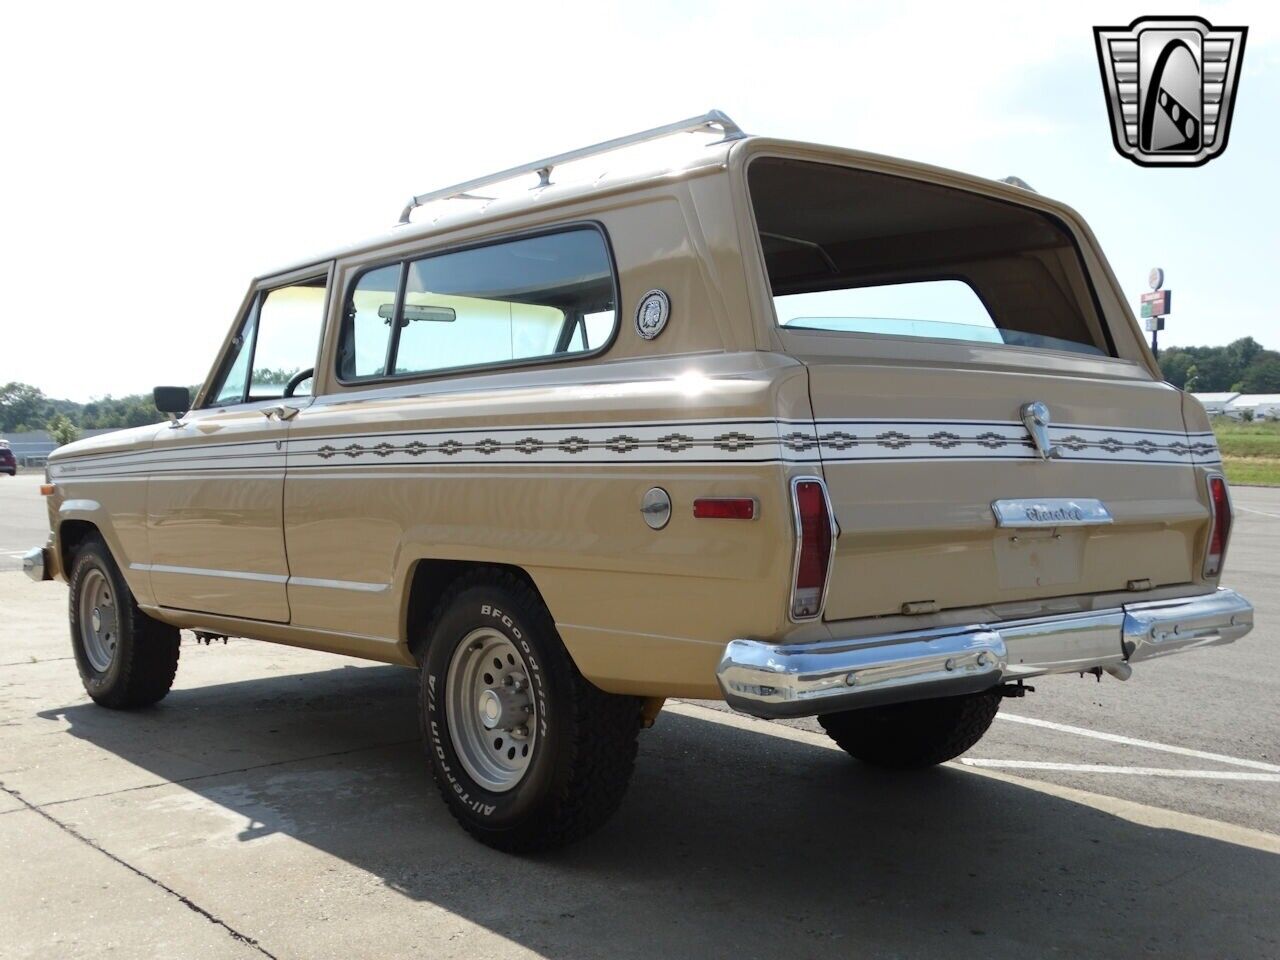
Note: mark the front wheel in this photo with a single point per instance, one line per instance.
(922, 733)
(125, 658)
(527, 753)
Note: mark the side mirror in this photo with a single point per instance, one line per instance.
(175, 401)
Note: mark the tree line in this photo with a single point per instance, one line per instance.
(25, 408)
(1244, 366)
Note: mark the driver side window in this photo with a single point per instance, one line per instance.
(277, 343)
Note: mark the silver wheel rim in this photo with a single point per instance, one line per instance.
(99, 624)
(490, 710)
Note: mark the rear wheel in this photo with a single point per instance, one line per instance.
(922, 733)
(527, 753)
(125, 658)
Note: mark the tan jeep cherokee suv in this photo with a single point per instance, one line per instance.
(814, 431)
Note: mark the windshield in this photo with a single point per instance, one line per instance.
(854, 252)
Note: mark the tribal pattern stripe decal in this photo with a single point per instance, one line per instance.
(860, 440)
(741, 441)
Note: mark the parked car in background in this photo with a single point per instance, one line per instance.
(8, 464)
(814, 431)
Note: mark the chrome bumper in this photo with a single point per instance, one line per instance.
(35, 564)
(795, 680)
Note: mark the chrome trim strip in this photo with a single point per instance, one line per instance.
(205, 572)
(790, 680)
(1050, 512)
(326, 584)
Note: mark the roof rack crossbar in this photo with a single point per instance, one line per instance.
(711, 120)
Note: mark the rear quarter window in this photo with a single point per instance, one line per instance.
(507, 302)
(855, 252)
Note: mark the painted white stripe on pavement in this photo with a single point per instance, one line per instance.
(1140, 813)
(1129, 771)
(1261, 513)
(1145, 744)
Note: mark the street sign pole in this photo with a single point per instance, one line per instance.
(1156, 305)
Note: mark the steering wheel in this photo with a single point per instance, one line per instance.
(298, 379)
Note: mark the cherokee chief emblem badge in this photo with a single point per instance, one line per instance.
(652, 313)
(1170, 84)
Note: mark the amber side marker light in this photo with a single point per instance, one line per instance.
(46, 489)
(724, 508)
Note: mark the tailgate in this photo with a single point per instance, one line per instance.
(914, 459)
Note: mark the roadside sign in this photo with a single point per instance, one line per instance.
(1158, 303)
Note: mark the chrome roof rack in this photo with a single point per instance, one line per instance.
(710, 121)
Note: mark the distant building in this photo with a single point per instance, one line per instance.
(31, 448)
(1215, 404)
(1263, 406)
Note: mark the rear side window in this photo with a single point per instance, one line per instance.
(850, 251)
(502, 303)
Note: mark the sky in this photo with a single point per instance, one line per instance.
(158, 156)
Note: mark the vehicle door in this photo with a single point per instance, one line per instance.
(216, 487)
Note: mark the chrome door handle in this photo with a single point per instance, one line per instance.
(286, 413)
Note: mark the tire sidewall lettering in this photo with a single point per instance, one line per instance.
(494, 807)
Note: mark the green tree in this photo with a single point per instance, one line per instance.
(62, 430)
(22, 407)
(1263, 374)
(1176, 366)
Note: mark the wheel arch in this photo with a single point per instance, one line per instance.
(78, 520)
(71, 535)
(427, 581)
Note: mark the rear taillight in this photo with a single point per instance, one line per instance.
(1220, 524)
(815, 539)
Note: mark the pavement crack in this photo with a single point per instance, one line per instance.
(184, 900)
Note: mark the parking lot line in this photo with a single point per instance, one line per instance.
(1145, 744)
(1141, 813)
(1261, 513)
(1113, 768)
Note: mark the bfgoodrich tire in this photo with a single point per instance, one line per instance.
(527, 754)
(125, 658)
(904, 736)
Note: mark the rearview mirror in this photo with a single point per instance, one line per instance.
(415, 311)
(175, 401)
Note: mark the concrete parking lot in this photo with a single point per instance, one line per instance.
(277, 804)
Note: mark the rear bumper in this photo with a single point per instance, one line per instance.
(792, 680)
